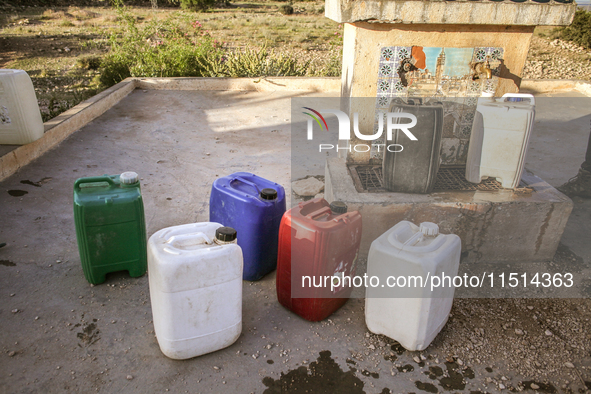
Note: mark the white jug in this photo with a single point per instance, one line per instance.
(408, 310)
(195, 276)
(500, 135)
(20, 119)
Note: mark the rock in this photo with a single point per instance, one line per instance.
(372, 347)
(416, 359)
(307, 187)
(534, 386)
(319, 195)
(501, 386)
(11, 354)
(548, 333)
(569, 365)
(129, 377)
(518, 331)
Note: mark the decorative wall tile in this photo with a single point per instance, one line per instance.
(448, 74)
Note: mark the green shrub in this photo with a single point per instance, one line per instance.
(253, 63)
(286, 9)
(197, 5)
(89, 62)
(579, 31)
(157, 49)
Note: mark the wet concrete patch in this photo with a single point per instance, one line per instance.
(406, 368)
(17, 193)
(542, 387)
(428, 387)
(434, 372)
(322, 376)
(374, 375)
(398, 348)
(89, 333)
(390, 358)
(455, 379)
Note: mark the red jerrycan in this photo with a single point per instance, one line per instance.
(318, 243)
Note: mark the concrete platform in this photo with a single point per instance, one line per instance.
(494, 226)
(59, 334)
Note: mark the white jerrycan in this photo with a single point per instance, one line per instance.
(500, 135)
(20, 119)
(408, 309)
(195, 276)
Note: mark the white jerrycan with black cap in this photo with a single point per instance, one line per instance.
(195, 276)
(409, 305)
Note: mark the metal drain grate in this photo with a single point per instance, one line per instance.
(369, 179)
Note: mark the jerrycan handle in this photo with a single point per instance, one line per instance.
(249, 183)
(531, 98)
(93, 179)
(319, 212)
(198, 238)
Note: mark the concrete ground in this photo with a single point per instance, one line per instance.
(60, 334)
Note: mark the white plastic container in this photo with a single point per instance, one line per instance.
(408, 313)
(20, 119)
(195, 289)
(500, 135)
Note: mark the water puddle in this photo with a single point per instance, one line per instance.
(374, 375)
(17, 193)
(543, 387)
(428, 387)
(321, 376)
(406, 368)
(38, 183)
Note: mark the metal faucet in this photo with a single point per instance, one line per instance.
(481, 68)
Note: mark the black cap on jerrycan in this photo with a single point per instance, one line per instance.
(338, 207)
(268, 194)
(225, 234)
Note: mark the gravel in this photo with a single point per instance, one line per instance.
(557, 59)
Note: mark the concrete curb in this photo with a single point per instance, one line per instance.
(270, 84)
(554, 85)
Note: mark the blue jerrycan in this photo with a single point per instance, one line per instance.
(253, 206)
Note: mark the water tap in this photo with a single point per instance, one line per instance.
(481, 69)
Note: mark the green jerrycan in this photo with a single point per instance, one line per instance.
(110, 225)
